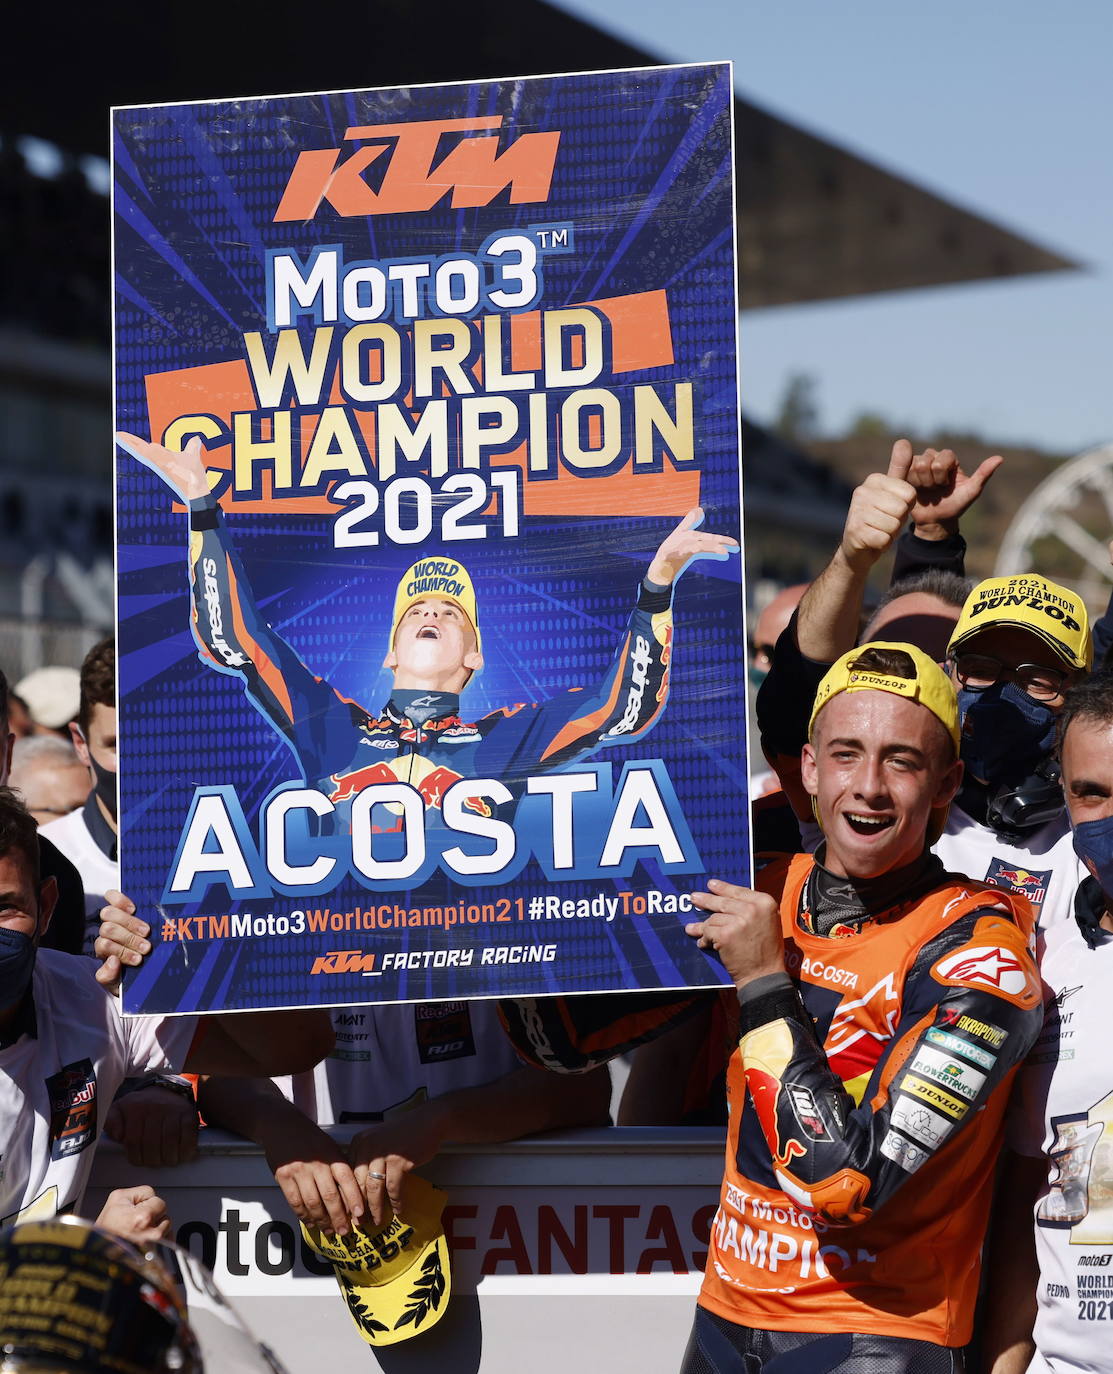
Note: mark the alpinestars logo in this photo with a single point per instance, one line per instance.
(231, 656)
(990, 967)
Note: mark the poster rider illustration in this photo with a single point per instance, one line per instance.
(435, 646)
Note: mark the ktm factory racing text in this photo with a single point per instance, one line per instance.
(394, 797)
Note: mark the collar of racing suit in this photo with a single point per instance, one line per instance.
(834, 906)
(420, 707)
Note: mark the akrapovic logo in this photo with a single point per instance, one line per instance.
(343, 961)
(474, 169)
(230, 656)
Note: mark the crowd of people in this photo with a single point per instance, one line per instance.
(914, 1028)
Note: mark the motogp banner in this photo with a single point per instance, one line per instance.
(430, 635)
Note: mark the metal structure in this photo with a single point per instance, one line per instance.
(1064, 528)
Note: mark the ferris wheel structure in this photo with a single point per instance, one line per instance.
(1063, 529)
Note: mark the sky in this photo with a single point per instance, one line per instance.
(999, 106)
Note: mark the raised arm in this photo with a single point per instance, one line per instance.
(944, 493)
(830, 612)
(631, 695)
(231, 633)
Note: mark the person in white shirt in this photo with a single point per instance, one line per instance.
(88, 836)
(65, 1048)
(1051, 1290)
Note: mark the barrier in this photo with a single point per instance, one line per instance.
(574, 1250)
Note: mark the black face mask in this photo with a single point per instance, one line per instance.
(17, 960)
(106, 787)
(106, 782)
(1005, 734)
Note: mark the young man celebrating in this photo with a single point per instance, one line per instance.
(1019, 644)
(884, 1005)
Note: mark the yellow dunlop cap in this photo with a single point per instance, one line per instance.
(443, 577)
(1026, 602)
(931, 686)
(396, 1281)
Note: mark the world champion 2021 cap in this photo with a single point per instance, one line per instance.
(396, 1281)
(446, 578)
(1051, 612)
(931, 687)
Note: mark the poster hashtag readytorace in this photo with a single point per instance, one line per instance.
(430, 638)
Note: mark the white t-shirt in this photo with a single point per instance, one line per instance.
(1063, 1107)
(57, 1085)
(1043, 867)
(391, 1058)
(98, 872)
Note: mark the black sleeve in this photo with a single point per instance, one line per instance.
(914, 555)
(66, 930)
(1103, 637)
(785, 697)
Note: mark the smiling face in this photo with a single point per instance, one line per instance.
(434, 647)
(877, 766)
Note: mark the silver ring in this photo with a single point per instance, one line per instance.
(373, 1174)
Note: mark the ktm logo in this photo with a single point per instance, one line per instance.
(343, 961)
(473, 170)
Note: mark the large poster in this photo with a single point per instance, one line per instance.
(430, 633)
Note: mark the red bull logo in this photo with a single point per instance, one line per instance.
(347, 785)
(1027, 883)
(434, 785)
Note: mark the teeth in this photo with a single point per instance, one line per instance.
(867, 820)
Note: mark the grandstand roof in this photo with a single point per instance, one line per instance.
(819, 222)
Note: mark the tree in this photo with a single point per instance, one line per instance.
(798, 417)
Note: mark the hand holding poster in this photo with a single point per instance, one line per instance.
(441, 399)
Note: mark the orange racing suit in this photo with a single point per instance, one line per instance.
(866, 1098)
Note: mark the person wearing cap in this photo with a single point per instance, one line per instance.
(51, 695)
(1049, 1303)
(434, 647)
(884, 1007)
(1018, 644)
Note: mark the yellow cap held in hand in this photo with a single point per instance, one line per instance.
(396, 1281)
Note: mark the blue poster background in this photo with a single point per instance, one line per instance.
(643, 177)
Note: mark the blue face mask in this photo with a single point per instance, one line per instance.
(1093, 843)
(17, 959)
(1005, 733)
